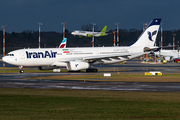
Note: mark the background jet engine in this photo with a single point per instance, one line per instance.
(168, 58)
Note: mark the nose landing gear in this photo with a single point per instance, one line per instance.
(21, 69)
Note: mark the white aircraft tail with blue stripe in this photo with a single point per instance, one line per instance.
(148, 37)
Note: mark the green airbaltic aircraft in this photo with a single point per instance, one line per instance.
(89, 33)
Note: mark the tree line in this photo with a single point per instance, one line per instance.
(29, 39)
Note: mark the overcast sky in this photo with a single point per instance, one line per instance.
(20, 15)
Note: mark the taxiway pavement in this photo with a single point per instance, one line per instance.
(19, 80)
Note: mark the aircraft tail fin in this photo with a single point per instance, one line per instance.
(148, 37)
(104, 29)
(63, 43)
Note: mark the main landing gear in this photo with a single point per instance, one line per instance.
(92, 70)
(21, 69)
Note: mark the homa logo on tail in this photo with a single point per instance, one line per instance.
(151, 35)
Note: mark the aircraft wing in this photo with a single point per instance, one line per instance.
(152, 49)
(99, 57)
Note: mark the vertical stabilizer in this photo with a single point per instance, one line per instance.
(104, 29)
(63, 43)
(148, 37)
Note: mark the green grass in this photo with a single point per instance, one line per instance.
(52, 104)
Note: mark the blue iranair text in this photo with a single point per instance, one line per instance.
(44, 54)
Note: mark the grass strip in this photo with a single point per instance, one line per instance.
(115, 78)
(18, 103)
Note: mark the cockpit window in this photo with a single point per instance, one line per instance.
(10, 54)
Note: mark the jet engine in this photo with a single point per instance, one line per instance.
(77, 65)
(168, 58)
(89, 35)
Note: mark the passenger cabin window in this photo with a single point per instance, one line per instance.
(10, 54)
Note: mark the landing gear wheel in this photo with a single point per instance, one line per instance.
(91, 70)
(21, 71)
(88, 70)
(95, 70)
(74, 71)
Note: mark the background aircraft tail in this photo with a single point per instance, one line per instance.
(148, 37)
(103, 31)
(63, 43)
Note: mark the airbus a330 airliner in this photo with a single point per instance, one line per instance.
(76, 59)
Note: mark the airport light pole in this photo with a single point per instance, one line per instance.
(143, 27)
(40, 35)
(117, 33)
(178, 49)
(174, 41)
(63, 29)
(161, 36)
(114, 38)
(93, 36)
(143, 31)
(146, 24)
(3, 40)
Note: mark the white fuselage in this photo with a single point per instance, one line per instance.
(58, 56)
(169, 54)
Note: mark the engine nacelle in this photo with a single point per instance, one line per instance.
(77, 65)
(89, 35)
(168, 58)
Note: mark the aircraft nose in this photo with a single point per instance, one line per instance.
(8, 60)
(4, 59)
